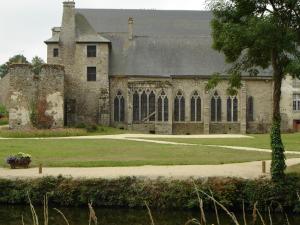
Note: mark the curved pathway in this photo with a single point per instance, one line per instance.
(250, 170)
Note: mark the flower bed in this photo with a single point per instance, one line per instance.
(20, 160)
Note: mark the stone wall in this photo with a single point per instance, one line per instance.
(36, 101)
(286, 107)
(86, 101)
(4, 90)
(259, 89)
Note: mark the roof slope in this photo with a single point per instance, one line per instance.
(165, 42)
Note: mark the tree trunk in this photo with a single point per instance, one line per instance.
(278, 165)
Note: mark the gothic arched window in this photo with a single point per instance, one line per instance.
(136, 106)
(151, 112)
(232, 109)
(179, 107)
(144, 105)
(250, 109)
(195, 107)
(216, 108)
(119, 108)
(163, 107)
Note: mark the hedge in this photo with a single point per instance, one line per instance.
(160, 193)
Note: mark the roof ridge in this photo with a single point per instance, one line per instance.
(155, 10)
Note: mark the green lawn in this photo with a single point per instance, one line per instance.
(92, 153)
(291, 141)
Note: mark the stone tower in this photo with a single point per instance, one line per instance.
(86, 100)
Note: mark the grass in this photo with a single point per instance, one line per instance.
(66, 132)
(294, 169)
(98, 153)
(291, 141)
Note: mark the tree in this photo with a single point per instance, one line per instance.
(15, 59)
(255, 35)
(37, 63)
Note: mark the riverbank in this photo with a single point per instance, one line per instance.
(159, 193)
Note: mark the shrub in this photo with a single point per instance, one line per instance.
(3, 111)
(160, 193)
(42, 133)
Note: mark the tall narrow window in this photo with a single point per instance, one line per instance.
(91, 73)
(195, 107)
(163, 107)
(151, 106)
(91, 51)
(179, 107)
(250, 109)
(216, 108)
(144, 105)
(136, 106)
(296, 102)
(55, 52)
(232, 109)
(119, 108)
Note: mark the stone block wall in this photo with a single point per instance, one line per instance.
(36, 101)
(259, 89)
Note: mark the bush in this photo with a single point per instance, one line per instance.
(42, 133)
(160, 193)
(3, 111)
(3, 121)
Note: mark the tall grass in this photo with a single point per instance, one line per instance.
(201, 221)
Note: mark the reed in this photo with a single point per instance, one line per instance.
(202, 221)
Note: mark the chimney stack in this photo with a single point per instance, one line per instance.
(130, 28)
(68, 33)
(55, 31)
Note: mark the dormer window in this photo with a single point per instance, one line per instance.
(55, 52)
(91, 51)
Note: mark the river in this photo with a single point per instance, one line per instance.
(11, 215)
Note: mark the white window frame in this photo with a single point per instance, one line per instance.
(296, 102)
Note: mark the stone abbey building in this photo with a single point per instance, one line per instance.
(144, 70)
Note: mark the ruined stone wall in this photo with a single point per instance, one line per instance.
(4, 90)
(36, 101)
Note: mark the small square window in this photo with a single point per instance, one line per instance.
(91, 51)
(55, 52)
(91, 74)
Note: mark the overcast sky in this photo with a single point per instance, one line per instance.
(25, 24)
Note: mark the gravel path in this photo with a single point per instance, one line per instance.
(250, 170)
(138, 136)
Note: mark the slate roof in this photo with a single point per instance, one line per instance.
(165, 42)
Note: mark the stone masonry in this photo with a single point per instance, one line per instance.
(36, 101)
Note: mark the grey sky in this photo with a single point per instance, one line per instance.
(25, 24)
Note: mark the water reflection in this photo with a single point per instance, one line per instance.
(11, 215)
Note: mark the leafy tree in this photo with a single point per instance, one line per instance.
(37, 63)
(15, 59)
(256, 35)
